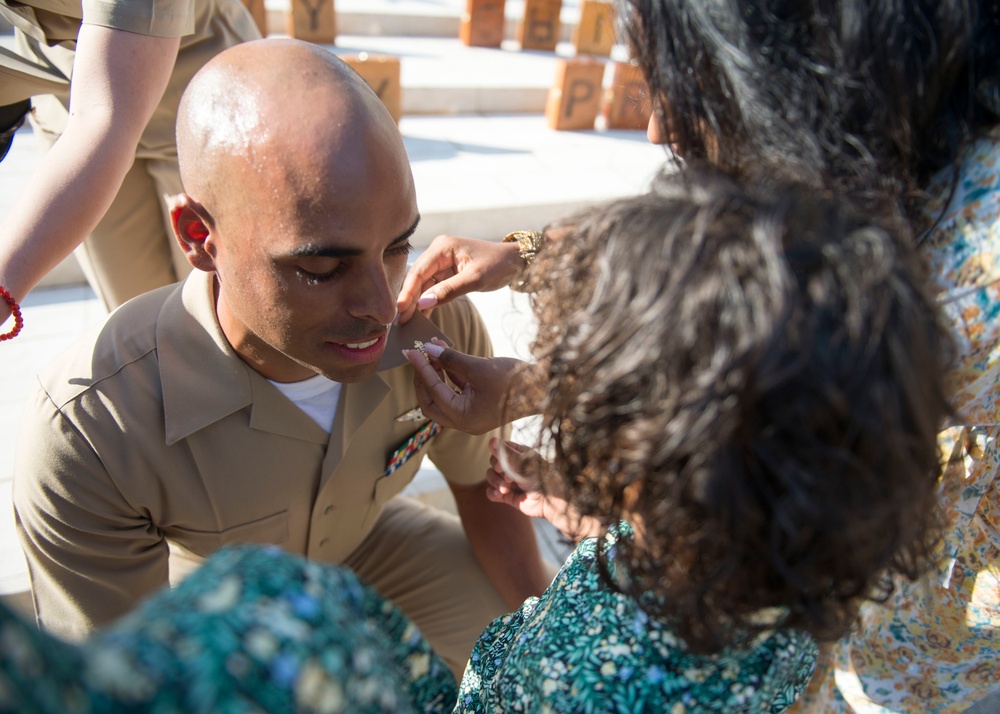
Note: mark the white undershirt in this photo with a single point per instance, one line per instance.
(316, 396)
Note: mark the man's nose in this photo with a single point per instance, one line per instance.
(375, 298)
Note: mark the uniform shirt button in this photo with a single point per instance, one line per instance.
(323, 542)
(328, 510)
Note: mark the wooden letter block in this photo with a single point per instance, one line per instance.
(628, 106)
(575, 99)
(595, 35)
(382, 73)
(482, 23)
(312, 21)
(539, 28)
(259, 14)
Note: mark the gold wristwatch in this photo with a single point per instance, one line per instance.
(528, 245)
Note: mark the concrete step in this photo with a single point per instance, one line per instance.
(427, 18)
(422, 18)
(476, 175)
(443, 76)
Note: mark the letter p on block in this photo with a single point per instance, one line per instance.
(575, 99)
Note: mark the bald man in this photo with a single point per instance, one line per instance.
(265, 398)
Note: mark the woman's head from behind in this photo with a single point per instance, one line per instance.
(867, 95)
(755, 383)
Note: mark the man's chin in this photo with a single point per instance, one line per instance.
(348, 374)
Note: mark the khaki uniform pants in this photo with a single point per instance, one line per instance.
(419, 557)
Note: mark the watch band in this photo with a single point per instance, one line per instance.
(528, 243)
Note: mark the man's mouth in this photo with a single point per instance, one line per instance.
(362, 351)
(362, 345)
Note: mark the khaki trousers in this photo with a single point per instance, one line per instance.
(419, 557)
(132, 249)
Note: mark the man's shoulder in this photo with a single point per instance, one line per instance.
(458, 310)
(127, 337)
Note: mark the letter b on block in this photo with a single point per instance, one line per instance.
(382, 74)
(575, 99)
(540, 26)
(482, 23)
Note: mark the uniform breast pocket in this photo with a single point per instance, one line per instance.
(272, 529)
(388, 486)
(401, 466)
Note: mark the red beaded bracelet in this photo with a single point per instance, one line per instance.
(15, 312)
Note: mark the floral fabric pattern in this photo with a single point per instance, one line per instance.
(253, 630)
(934, 647)
(583, 647)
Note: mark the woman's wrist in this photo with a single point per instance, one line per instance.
(513, 263)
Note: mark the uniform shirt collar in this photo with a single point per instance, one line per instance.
(203, 379)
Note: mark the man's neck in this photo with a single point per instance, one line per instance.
(259, 355)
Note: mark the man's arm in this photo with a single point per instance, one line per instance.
(90, 554)
(504, 543)
(502, 539)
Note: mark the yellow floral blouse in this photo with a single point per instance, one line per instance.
(935, 646)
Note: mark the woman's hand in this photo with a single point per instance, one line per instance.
(453, 266)
(483, 383)
(515, 477)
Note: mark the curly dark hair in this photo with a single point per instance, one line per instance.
(864, 96)
(755, 384)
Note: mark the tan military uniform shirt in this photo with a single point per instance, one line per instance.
(151, 435)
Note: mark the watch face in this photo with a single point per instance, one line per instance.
(527, 241)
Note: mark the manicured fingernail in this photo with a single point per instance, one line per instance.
(433, 350)
(427, 300)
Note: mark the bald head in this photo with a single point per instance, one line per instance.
(298, 197)
(277, 108)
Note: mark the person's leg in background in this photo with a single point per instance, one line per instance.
(131, 251)
(167, 177)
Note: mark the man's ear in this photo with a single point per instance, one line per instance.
(192, 231)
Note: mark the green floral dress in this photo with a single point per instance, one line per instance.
(583, 647)
(259, 630)
(253, 630)
(934, 647)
